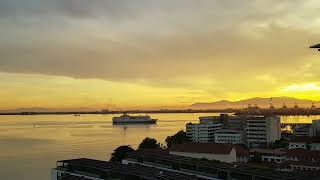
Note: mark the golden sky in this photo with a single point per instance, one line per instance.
(151, 53)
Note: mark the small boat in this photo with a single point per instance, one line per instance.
(126, 119)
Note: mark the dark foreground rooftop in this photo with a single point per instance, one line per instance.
(243, 169)
(103, 168)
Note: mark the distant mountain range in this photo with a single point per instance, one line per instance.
(260, 102)
(224, 104)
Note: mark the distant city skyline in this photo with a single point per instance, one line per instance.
(147, 53)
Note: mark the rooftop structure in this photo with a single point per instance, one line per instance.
(215, 148)
(213, 169)
(303, 131)
(202, 132)
(276, 155)
(212, 151)
(233, 136)
(300, 154)
(101, 170)
(262, 130)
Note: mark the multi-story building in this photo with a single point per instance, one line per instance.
(305, 131)
(227, 121)
(233, 136)
(316, 127)
(202, 132)
(262, 130)
(236, 122)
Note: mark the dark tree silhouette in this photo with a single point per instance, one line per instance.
(257, 158)
(178, 138)
(149, 143)
(120, 153)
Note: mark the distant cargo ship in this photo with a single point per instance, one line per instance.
(126, 119)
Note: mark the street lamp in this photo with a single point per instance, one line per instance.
(317, 46)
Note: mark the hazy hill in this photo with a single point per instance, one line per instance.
(261, 102)
(39, 109)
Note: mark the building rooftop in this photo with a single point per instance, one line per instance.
(303, 139)
(238, 168)
(302, 153)
(268, 151)
(71, 177)
(212, 148)
(145, 172)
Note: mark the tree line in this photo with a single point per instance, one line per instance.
(121, 152)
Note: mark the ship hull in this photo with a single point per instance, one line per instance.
(135, 122)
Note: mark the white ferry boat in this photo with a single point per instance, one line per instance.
(124, 119)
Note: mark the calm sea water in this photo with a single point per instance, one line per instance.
(30, 145)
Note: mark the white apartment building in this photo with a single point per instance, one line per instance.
(233, 136)
(202, 132)
(262, 130)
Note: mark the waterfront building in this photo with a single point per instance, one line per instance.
(262, 130)
(90, 169)
(202, 132)
(276, 156)
(233, 136)
(221, 152)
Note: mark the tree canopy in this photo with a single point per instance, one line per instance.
(178, 138)
(120, 153)
(149, 143)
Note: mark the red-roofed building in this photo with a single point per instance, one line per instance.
(221, 152)
(302, 155)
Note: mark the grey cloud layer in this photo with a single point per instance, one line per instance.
(155, 41)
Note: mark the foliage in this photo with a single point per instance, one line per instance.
(256, 158)
(286, 134)
(178, 138)
(282, 143)
(149, 143)
(120, 153)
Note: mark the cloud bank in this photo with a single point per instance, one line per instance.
(222, 45)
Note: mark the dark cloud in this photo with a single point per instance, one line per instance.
(155, 42)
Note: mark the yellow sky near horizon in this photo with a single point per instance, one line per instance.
(65, 92)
